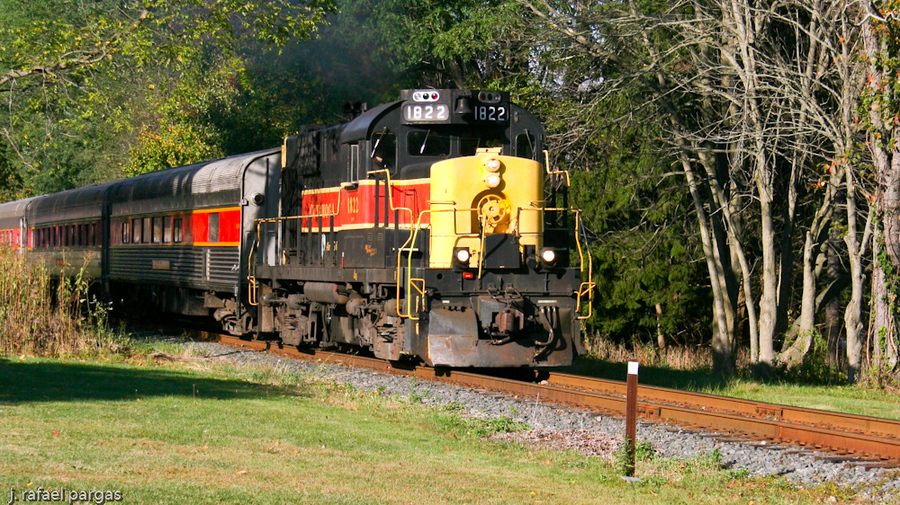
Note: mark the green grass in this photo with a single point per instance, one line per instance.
(216, 434)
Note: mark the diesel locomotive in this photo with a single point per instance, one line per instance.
(430, 228)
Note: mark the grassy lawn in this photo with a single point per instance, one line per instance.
(182, 434)
(849, 399)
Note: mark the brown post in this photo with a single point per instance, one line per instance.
(631, 416)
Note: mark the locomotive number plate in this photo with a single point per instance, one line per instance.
(426, 113)
(494, 113)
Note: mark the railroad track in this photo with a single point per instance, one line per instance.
(867, 441)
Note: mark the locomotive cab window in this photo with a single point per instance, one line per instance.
(427, 143)
(384, 151)
(468, 146)
(353, 164)
(525, 145)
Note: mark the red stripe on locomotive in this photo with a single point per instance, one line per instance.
(356, 207)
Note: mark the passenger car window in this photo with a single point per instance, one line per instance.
(136, 231)
(157, 229)
(214, 227)
(177, 230)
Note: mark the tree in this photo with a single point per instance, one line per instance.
(881, 103)
(62, 60)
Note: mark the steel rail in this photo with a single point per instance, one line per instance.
(798, 415)
(729, 416)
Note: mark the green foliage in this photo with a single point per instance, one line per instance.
(815, 369)
(622, 461)
(174, 145)
(644, 252)
(78, 80)
(179, 130)
(451, 43)
(477, 427)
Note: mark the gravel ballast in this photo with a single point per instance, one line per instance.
(589, 432)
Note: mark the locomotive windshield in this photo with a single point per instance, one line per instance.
(464, 142)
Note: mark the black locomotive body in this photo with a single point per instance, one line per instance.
(422, 229)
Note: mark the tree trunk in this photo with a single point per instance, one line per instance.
(882, 320)
(833, 308)
(736, 249)
(881, 140)
(768, 303)
(722, 345)
(660, 339)
(794, 354)
(856, 250)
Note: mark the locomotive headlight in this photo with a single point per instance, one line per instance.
(493, 165)
(492, 180)
(461, 257)
(548, 256)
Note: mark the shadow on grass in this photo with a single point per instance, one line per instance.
(649, 375)
(50, 381)
(703, 379)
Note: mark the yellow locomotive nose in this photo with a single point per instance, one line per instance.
(480, 195)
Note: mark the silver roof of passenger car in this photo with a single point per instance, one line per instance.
(199, 185)
(11, 212)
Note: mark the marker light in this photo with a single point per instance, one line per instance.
(492, 165)
(492, 180)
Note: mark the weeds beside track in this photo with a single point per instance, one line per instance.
(44, 316)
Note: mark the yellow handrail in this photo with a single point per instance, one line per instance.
(590, 284)
(585, 289)
(414, 234)
(390, 196)
(251, 278)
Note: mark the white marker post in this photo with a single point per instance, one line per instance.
(631, 417)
